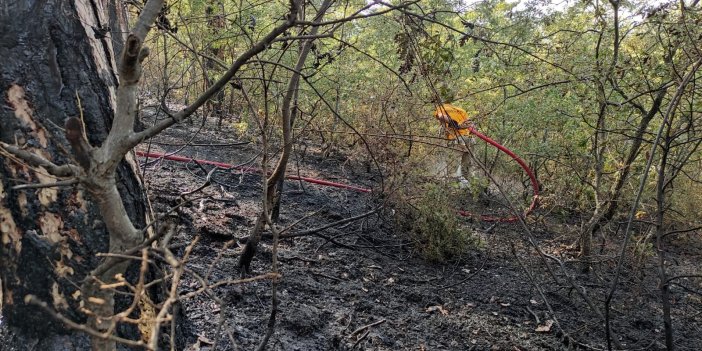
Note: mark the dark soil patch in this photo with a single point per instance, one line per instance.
(331, 291)
(369, 274)
(362, 286)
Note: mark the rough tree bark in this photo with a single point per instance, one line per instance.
(58, 50)
(58, 62)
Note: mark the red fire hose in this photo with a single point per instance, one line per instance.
(534, 183)
(251, 170)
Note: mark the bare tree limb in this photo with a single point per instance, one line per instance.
(226, 77)
(37, 161)
(67, 182)
(627, 234)
(33, 300)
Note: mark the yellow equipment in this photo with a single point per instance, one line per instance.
(457, 115)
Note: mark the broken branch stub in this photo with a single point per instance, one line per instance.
(75, 133)
(132, 57)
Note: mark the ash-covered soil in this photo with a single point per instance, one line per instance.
(361, 285)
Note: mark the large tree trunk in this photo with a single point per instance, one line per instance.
(58, 58)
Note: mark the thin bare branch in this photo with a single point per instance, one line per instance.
(67, 182)
(226, 77)
(35, 160)
(33, 300)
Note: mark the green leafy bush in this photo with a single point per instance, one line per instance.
(430, 219)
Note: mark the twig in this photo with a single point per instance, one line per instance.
(681, 231)
(33, 300)
(536, 317)
(333, 241)
(466, 279)
(537, 286)
(327, 226)
(683, 276)
(38, 161)
(240, 143)
(360, 329)
(179, 267)
(327, 276)
(122, 256)
(138, 290)
(232, 282)
(490, 228)
(301, 219)
(208, 181)
(360, 339)
(67, 182)
(160, 218)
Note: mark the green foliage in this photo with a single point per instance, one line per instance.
(431, 221)
(532, 77)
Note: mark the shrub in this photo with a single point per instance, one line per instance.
(430, 219)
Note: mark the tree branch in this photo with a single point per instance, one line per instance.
(226, 77)
(35, 160)
(33, 300)
(67, 182)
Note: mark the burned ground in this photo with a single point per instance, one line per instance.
(361, 285)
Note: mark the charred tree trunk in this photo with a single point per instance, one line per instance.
(612, 204)
(215, 25)
(58, 62)
(290, 112)
(277, 177)
(663, 285)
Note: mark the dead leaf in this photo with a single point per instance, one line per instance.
(439, 308)
(505, 304)
(75, 236)
(546, 327)
(96, 300)
(62, 270)
(148, 318)
(21, 202)
(194, 347)
(204, 340)
(60, 302)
